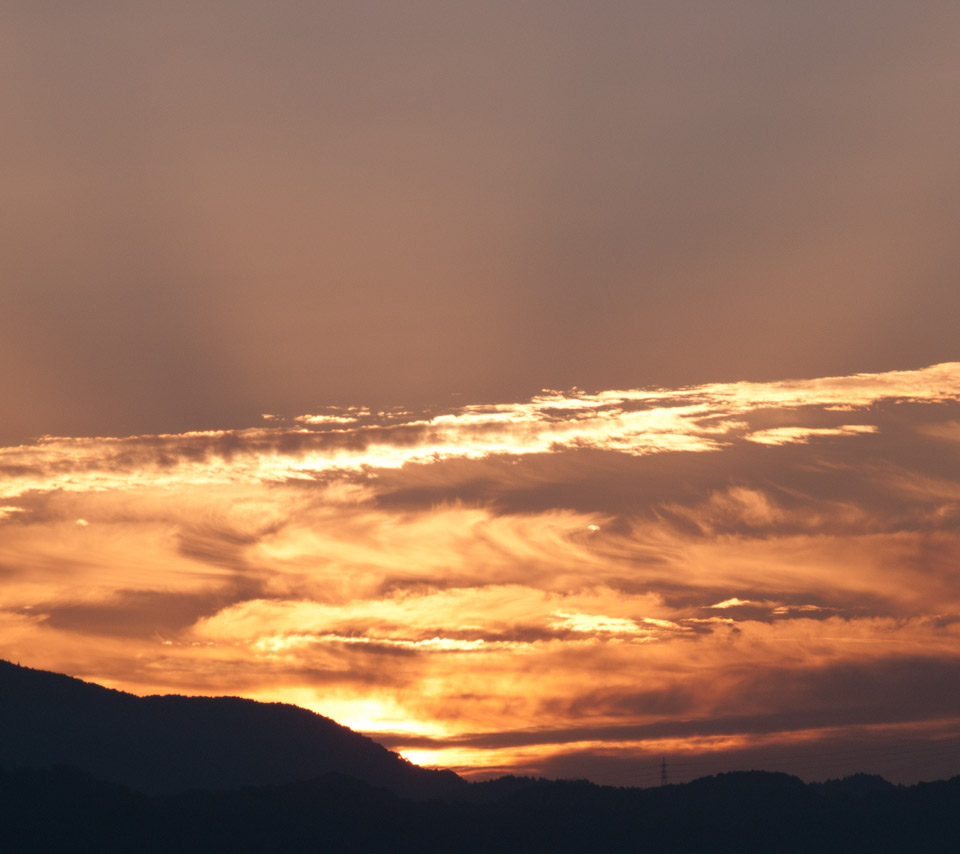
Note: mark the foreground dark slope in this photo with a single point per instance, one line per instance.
(65, 810)
(229, 775)
(169, 744)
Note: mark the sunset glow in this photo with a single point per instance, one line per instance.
(500, 587)
(543, 388)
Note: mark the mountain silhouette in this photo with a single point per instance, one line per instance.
(63, 809)
(86, 768)
(165, 744)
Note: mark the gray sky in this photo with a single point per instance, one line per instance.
(215, 210)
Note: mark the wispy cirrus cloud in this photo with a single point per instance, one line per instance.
(701, 418)
(591, 570)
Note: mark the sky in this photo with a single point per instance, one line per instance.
(538, 387)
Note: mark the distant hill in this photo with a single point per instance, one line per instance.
(85, 768)
(62, 809)
(166, 744)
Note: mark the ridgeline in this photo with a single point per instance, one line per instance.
(85, 768)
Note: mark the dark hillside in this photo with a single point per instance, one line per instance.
(84, 768)
(61, 809)
(172, 743)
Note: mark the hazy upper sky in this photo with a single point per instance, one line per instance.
(215, 209)
(281, 287)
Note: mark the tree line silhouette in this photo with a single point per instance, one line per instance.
(85, 768)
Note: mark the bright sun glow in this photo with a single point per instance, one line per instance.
(500, 587)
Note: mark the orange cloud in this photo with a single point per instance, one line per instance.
(709, 569)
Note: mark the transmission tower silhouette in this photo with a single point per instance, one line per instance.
(663, 771)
